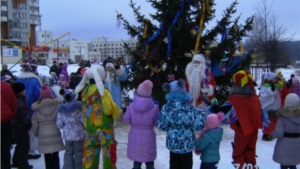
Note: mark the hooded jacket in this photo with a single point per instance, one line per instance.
(70, 120)
(142, 115)
(44, 126)
(209, 145)
(180, 119)
(287, 149)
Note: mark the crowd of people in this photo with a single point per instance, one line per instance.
(85, 104)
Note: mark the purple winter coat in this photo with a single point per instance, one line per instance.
(142, 114)
(64, 71)
(287, 149)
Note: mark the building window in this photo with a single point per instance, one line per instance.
(47, 36)
(95, 50)
(100, 45)
(108, 45)
(42, 35)
(15, 6)
(116, 44)
(112, 44)
(96, 45)
(92, 45)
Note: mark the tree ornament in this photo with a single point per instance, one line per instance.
(176, 68)
(164, 67)
(171, 77)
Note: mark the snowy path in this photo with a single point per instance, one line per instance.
(264, 151)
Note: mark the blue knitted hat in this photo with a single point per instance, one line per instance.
(176, 86)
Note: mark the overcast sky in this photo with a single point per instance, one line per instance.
(86, 19)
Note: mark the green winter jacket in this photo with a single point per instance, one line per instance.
(209, 145)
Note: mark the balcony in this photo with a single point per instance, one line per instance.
(3, 18)
(3, 8)
(34, 22)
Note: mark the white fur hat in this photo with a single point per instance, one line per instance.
(110, 65)
(292, 101)
(270, 76)
(199, 57)
(97, 73)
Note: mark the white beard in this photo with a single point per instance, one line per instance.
(195, 81)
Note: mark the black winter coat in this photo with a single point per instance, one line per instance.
(22, 121)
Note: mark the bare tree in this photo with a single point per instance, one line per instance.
(268, 37)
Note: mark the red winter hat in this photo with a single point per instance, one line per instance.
(46, 92)
(145, 89)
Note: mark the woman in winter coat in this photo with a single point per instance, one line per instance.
(180, 119)
(44, 127)
(287, 132)
(142, 115)
(69, 118)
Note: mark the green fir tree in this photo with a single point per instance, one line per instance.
(172, 42)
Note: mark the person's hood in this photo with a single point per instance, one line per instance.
(46, 106)
(142, 104)
(70, 107)
(292, 114)
(64, 67)
(215, 134)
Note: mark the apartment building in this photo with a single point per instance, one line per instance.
(19, 19)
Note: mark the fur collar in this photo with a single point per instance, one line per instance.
(70, 107)
(179, 96)
(27, 75)
(289, 112)
(43, 103)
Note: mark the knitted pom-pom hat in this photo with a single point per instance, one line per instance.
(46, 92)
(176, 86)
(68, 94)
(145, 89)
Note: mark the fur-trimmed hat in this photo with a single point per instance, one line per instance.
(29, 65)
(18, 87)
(97, 73)
(46, 92)
(292, 100)
(110, 65)
(145, 89)
(270, 76)
(199, 58)
(176, 86)
(68, 94)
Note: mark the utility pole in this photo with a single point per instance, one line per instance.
(106, 51)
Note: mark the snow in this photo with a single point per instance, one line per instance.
(264, 150)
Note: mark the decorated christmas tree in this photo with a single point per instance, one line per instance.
(164, 49)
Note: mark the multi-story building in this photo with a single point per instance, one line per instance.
(112, 48)
(19, 19)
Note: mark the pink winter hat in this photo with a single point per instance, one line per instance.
(214, 120)
(46, 92)
(145, 89)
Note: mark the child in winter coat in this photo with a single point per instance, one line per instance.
(142, 115)
(70, 119)
(21, 124)
(287, 132)
(63, 81)
(54, 79)
(44, 127)
(180, 119)
(208, 142)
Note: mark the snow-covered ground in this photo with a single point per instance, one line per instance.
(264, 149)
